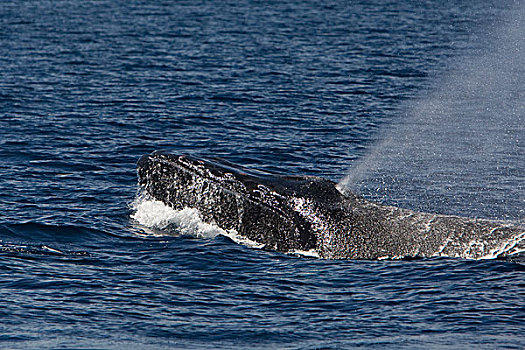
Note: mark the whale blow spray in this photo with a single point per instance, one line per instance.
(461, 149)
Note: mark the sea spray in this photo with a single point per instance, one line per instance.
(160, 219)
(461, 149)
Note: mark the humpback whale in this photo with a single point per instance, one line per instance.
(309, 214)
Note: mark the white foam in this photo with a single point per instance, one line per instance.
(234, 236)
(163, 219)
(312, 253)
(156, 215)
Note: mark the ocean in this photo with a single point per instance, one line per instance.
(418, 104)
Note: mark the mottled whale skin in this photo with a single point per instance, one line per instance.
(309, 214)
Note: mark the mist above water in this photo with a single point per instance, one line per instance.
(461, 148)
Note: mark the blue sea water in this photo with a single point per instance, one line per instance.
(297, 87)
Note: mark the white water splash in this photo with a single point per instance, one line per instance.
(312, 253)
(156, 215)
(164, 220)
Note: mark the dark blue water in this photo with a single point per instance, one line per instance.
(299, 87)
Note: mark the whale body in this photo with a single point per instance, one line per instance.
(309, 214)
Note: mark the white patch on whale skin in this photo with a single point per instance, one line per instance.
(477, 249)
(508, 247)
(306, 208)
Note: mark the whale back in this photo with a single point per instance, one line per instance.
(308, 213)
